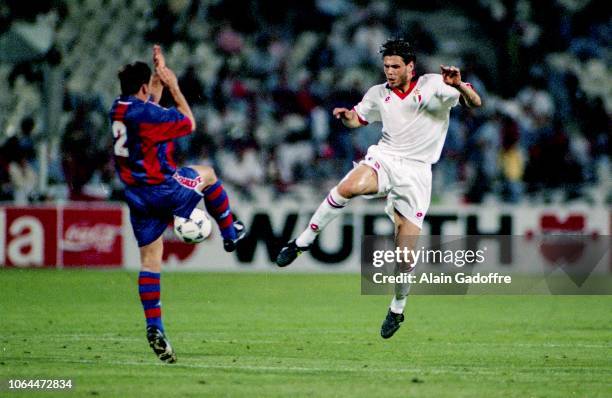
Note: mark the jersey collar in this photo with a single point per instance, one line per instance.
(403, 94)
(130, 98)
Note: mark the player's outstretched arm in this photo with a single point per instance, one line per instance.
(170, 81)
(156, 85)
(348, 117)
(452, 76)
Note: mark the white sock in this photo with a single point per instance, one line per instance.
(330, 208)
(397, 305)
(401, 294)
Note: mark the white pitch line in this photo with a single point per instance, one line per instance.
(247, 340)
(459, 370)
(415, 371)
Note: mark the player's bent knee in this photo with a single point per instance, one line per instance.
(207, 174)
(362, 186)
(346, 190)
(351, 188)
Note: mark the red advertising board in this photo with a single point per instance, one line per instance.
(56, 236)
(28, 237)
(91, 237)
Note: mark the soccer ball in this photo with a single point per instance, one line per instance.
(194, 229)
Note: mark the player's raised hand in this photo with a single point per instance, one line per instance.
(168, 77)
(158, 57)
(451, 75)
(156, 83)
(342, 113)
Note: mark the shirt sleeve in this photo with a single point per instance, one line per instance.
(159, 124)
(447, 94)
(367, 110)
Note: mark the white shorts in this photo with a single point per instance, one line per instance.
(406, 183)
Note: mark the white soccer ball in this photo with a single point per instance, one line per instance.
(194, 229)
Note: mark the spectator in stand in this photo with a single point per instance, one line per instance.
(246, 171)
(8, 153)
(596, 124)
(78, 154)
(424, 43)
(192, 86)
(560, 167)
(246, 82)
(163, 31)
(511, 161)
(367, 38)
(26, 142)
(23, 179)
(296, 153)
(483, 150)
(229, 40)
(448, 171)
(341, 137)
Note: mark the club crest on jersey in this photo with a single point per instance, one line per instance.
(376, 164)
(388, 98)
(417, 96)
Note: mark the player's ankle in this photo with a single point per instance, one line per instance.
(303, 242)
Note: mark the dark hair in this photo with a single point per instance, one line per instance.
(27, 125)
(398, 47)
(133, 76)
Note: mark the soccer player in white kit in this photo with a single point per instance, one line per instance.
(414, 111)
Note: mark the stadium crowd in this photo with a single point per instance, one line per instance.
(263, 86)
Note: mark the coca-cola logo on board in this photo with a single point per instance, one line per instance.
(82, 237)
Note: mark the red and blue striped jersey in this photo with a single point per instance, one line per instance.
(143, 134)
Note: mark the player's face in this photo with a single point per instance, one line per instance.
(397, 72)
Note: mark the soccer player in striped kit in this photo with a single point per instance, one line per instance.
(414, 111)
(155, 190)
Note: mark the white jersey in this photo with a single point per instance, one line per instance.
(414, 123)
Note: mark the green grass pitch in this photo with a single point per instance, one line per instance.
(296, 335)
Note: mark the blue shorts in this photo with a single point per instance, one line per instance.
(152, 207)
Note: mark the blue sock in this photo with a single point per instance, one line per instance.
(217, 205)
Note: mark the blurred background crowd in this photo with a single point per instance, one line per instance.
(263, 76)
